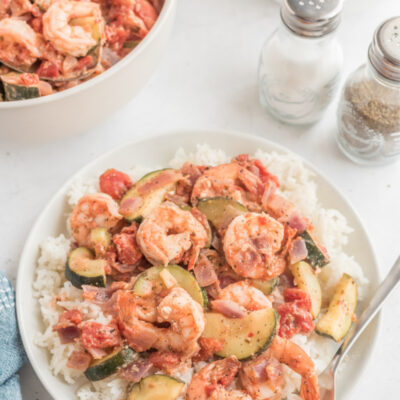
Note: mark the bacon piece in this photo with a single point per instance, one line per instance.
(298, 222)
(127, 249)
(280, 208)
(204, 271)
(159, 181)
(67, 326)
(115, 183)
(228, 308)
(136, 371)
(79, 360)
(98, 295)
(130, 205)
(297, 250)
(96, 353)
(100, 336)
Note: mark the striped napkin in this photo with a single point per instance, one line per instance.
(12, 354)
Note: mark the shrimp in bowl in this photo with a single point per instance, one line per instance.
(61, 42)
(189, 297)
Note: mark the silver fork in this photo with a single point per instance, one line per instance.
(383, 292)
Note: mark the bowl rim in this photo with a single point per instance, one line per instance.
(166, 10)
(153, 136)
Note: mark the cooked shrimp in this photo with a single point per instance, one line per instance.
(171, 235)
(263, 377)
(212, 380)
(230, 180)
(92, 211)
(73, 40)
(187, 321)
(19, 43)
(245, 295)
(251, 244)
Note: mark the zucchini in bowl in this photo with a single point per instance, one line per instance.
(109, 365)
(220, 211)
(242, 337)
(157, 387)
(317, 255)
(83, 269)
(306, 280)
(336, 322)
(148, 193)
(17, 86)
(151, 280)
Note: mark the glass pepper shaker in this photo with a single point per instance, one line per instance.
(300, 64)
(369, 109)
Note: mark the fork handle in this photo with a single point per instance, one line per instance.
(385, 289)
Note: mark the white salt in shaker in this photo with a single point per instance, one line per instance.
(301, 62)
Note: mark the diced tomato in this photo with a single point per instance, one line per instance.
(264, 174)
(116, 35)
(295, 313)
(115, 183)
(29, 79)
(165, 361)
(99, 335)
(48, 70)
(84, 62)
(208, 347)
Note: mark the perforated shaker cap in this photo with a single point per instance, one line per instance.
(384, 51)
(311, 18)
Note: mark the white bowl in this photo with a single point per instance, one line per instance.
(83, 106)
(158, 151)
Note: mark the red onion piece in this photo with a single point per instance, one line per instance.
(228, 308)
(298, 250)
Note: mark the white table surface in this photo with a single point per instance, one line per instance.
(208, 80)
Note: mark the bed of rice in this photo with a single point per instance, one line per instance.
(54, 294)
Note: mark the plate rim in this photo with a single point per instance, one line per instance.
(151, 137)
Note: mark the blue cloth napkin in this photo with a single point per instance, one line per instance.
(12, 354)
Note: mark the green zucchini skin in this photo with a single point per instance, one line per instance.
(317, 256)
(220, 211)
(82, 269)
(14, 91)
(242, 337)
(337, 321)
(110, 364)
(149, 201)
(265, 286)
(157, 387)
(184, 278)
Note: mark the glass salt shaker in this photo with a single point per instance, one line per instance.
(301, 62)
(369, 109)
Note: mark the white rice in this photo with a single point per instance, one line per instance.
(54, 294)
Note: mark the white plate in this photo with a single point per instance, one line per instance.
(158, 151)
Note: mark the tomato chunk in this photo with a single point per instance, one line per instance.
(100, 336)
(115, 183)
(295, 313)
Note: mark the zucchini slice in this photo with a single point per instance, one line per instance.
(88, 24)
(131, 44)
(265, 286)
(100, 239)
(220, 211)
(144, 203)
(242, 337)
(15, 89)
(317, 256)
(157, 387)
(307, 280)
(336, 322)
(110, 364)
(83, 269)
(150, 279)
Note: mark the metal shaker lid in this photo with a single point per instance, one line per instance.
(311, 18)
(384, 51)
